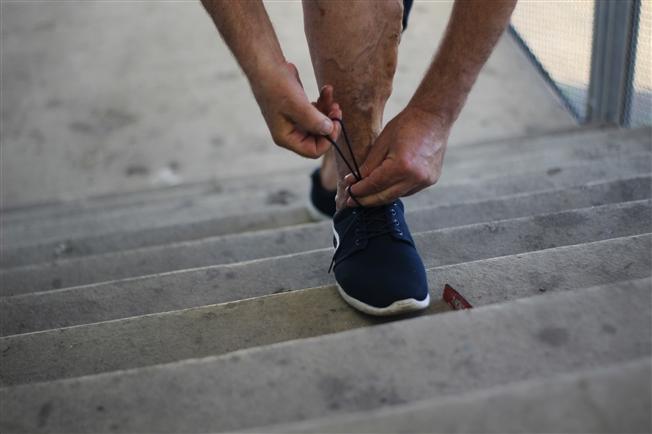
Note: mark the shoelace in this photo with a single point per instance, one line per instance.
(355, 169)
(374, 218)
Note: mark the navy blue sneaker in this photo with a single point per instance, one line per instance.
(377, 266)
(322, 202)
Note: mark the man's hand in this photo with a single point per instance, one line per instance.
(408, 154)
(294, 122)
(405, 158)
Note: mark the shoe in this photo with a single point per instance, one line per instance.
(376, 264)
(321, 205)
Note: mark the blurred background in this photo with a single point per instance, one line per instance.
(100, 96)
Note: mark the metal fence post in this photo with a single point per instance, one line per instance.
(612, 60)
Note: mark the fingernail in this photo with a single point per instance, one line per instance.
(348, 178)
(326, 126)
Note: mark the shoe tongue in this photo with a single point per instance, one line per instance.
(343, 214)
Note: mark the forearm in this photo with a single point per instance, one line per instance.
(248, 32)
(472, 32)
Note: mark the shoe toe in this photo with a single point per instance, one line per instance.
(381, 281)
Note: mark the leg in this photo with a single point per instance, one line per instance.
(354, 47)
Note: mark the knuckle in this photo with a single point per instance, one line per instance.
(278, 139)
(404, 165)
(433, 178)
(423, 177)
(374, 183)
(383, 198)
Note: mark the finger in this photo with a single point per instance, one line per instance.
(311, 145)
(322, 143)
(350, 179)
(414, 190)
(307, 145)
(308, 118)
(383, 197)
(296, 140)
(383, 177)
(325, 100)
(335, 112)
(375, 158)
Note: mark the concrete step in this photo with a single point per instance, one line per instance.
(222, 328)
(442, 194)
(97, 205)
(101, 204)
(545, 153)
(222, 283)
(241, 247)
(161, 215)
(365, 369)
(472, 164)
(598, 398)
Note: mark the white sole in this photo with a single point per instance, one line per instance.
(315, 214)
(398, 307)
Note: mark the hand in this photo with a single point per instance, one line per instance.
(405, 158)
(294, 122)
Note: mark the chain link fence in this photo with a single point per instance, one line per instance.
(596, 54)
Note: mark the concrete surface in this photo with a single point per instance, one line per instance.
(513, 156)
(116, 96)
(267, 243)
(501, 185)
(469, 163)
(111, 201)
(217, 329)
(422, 358)
(614, 400)
(222, 283)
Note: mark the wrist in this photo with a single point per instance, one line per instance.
(438, 118)
(267, 82)
(265, 72)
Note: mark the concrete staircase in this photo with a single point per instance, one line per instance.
(208, 307)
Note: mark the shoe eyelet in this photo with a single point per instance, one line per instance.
(357, 242)
(400, 233)
(393, 211)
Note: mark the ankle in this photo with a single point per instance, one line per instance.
(341, 196)
(328, 174)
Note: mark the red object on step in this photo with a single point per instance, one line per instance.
(455, 299)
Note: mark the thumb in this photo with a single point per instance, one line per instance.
(374, 159)
(311, 120)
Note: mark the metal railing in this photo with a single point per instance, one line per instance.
(595, 54)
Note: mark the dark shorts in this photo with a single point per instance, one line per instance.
(407, 6)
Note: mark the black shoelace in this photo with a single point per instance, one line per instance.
(355, 169)
(374, 219)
